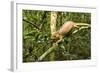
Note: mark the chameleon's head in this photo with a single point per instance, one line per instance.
(55, 35)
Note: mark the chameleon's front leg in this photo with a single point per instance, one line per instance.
(60, 39)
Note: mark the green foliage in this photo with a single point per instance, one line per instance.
(37, 41)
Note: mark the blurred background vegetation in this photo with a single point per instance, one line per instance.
(36, 36)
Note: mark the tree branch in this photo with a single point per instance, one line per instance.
(80, 29)
(32, 24)
(53, 22)
(51, 49)
(82, 24)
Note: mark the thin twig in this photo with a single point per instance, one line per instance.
(79, 29)
(32, 24)
(82, 24)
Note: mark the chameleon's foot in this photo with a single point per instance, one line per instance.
(55, 44)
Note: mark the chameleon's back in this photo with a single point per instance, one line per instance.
(66, 27)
